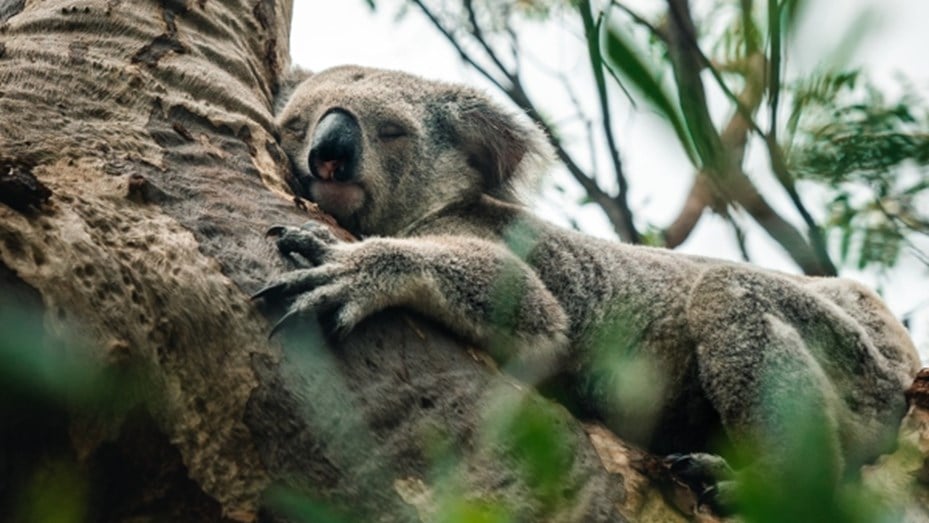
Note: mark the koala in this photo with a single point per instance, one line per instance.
(425, 173)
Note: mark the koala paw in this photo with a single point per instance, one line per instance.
(707, 475)
(312, 240)
(329, 285)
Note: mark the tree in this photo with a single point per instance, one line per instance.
(660, 63)
(138, 171)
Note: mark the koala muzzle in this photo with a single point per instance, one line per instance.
(336, 147)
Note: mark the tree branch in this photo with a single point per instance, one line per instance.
(457, 45)
(640, 20)
(697, 200)
(728, 178)
(774, 69)
(478, 35)
(592, 29)
(616, 211)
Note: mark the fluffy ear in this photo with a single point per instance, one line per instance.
(503, 145)
(286, 85)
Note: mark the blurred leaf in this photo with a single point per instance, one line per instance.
(817, 92)
(847, 136)
(57, 493)
(627, 63)
(531, 433)
(792, 11)
(847, 231)
(33, 366)
(804, 487)
(472, 511)
(300, 507)
(851, 39)
(653, 236)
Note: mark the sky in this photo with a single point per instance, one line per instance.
(891, 36)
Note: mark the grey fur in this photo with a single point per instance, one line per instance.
(443, 236)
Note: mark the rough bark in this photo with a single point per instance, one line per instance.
(139, 171)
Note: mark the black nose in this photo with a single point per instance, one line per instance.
(336, 147)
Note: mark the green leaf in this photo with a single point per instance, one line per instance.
(846, 243)
(627, 63)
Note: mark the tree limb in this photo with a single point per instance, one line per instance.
(615, 208)
(729, 179)
(592, 29)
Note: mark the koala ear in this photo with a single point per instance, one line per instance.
(287, 83)
(503, 145)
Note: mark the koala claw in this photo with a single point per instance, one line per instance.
(699, 466)
(328, 298)
(708, 475)
(299, 281)
(282, 323)
(268, 291)
(275, 231)
(311, 241)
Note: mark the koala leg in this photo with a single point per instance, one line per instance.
(765, 352)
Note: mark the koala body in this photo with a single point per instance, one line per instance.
(422, 171)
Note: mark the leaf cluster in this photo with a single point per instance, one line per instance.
(872, 152)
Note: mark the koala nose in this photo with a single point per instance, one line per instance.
(336, 147)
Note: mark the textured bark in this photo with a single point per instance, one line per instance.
(140, 170)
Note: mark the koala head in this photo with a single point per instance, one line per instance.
(380, 150)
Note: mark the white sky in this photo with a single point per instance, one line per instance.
(328, 33)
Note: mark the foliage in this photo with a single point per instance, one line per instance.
(873, 153)
(864, 144)
(44, 382)
(625, 61)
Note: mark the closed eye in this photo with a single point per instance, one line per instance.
(391, 131)
(295, 126)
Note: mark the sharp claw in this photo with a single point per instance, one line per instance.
(708, 496)
(285, 320)
(266, 291)
(275, 231)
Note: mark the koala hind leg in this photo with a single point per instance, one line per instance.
(763, 375)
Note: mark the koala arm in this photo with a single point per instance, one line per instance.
(477, 288)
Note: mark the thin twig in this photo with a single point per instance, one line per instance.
(640, 20)
(515, 49)
(739, 238)
(517, 94)
(478, 35)
(774, 69)
(747, 7)
(458, 47)
(684, 27)
(582, 116)
(596, 64)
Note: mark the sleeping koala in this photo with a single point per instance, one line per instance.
(423, 171)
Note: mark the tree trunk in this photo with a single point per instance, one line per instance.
(138, 171)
